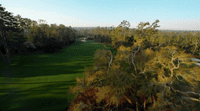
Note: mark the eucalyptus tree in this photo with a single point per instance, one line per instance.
(140, 77)
(125, 24)
(195, 43)
(119, 34)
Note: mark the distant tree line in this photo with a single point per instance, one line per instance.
(23, 35)
(123, 35)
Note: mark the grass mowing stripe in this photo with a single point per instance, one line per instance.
(39, 82)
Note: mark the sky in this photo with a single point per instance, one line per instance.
(172, 14)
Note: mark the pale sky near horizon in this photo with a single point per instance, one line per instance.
(172, 14)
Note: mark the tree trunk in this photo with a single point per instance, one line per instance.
(3, 56)
(196, 45)
(6, 49)
(3, 35)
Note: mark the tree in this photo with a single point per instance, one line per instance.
(195, 42)
(140, 78)
(125, 24)
(7, 23)
(62, 31)
(120, 33)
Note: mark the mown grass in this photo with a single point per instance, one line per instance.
(39, 82)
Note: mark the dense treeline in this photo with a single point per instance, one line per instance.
(22, 35)
(123, 35)
(151, 69)
(154, 73)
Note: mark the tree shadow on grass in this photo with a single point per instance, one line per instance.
(43, 65)
(32, 66)
(44, 70)
(48, 97)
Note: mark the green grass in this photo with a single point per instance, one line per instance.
(40, 82)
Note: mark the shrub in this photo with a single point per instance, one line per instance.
(29, 44)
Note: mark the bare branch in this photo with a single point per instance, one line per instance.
(133, 57)
(111, 58)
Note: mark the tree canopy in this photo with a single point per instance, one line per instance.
(154, 73)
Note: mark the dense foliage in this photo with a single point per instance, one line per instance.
(151, 69)
(154, 73)
(15, 31)
(188, 41)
